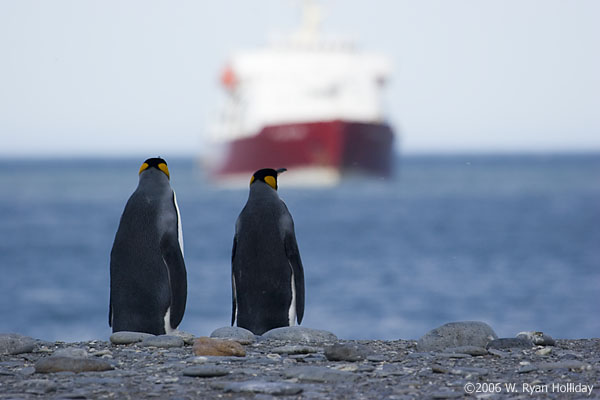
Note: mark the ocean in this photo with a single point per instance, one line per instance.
(511, 240)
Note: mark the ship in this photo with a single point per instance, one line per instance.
(307, 102)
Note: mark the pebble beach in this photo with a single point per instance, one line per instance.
(457, 360)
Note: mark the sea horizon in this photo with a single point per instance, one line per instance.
(510, 240)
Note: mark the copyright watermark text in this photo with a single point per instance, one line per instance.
(529, 388)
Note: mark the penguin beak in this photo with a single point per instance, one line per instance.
(281, 171)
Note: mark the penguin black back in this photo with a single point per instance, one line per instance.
(148, 284)
(267, 272)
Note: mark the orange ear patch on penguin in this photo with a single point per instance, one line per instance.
(268, 176)
(157, 163)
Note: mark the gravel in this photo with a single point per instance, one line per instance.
(300, 370)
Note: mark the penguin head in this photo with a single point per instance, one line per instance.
(157, 163)
(268, 176)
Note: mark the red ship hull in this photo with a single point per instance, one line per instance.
(345, 147)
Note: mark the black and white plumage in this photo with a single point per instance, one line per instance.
(148, 283)
(267, 276)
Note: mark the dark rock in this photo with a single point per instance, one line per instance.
(418, 355)
(470, 350)
(27, 371)
(365, 368)
(315, 357)
(300, 334)
(440, 369)
(498, 353)
(318, 374)
(126, 337)
(59, 364)
(466, 371)
(13, 343)
(453, 355)
(527, 368)
(454, 334)
(249, 371)
(446, 395)
(240, 335)
(38, 387)
(469, 371)
(257, 386)
(569, 355)
(510, 343)
(346, 352)
(295, 349)
(377, 358)
(163, 341)
(537, 338)
(188, 338)
(391, 370)
(570, 365)
(216, 359)
(205, 371)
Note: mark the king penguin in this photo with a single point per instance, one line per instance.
(267, 276)
(148, 283)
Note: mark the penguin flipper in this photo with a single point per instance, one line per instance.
(293, 256)
(233, 289)
(171, 252)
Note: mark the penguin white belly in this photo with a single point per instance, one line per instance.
(179, 229)
(234, 300)
(292, 310)
(168, 329)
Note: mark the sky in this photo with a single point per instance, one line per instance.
(137, 77)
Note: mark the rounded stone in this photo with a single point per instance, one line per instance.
(318, 374)
(453, 355)
(205, 346)
(455, 334)
(295, 349)
(510, 343)
(27, 371)
(127, 337)
(377, 358)
(346, 352)
(205, 371)
(163, 341)
(470, 350)
(61, 364)
(263, 387)
(447, 394)
(13, 343)
(240, 335)
(537, 338)
(301, 335)
(188, 338)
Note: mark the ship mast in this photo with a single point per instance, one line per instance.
(310, 26)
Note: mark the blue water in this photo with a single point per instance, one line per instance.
(510, 240)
